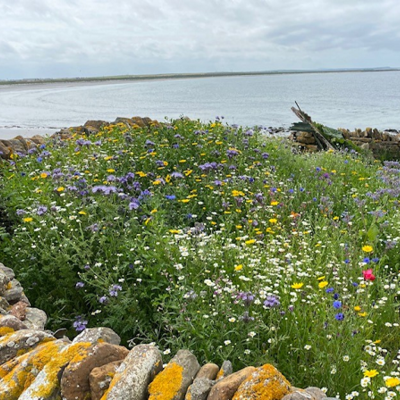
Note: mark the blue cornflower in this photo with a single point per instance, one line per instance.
(339, 316)
(337, 304)
(367, 260)
(335, 296)
(329, 290)
(375, 259)
(170, 197)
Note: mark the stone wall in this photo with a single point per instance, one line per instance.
(382, 144)
(39, 364)
(21, 145)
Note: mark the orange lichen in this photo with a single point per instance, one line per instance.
(4, 330)
(51, 369)
(167, 383)
(266, 383)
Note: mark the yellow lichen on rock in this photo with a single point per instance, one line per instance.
(220, 374)
(5, 330)
(47, 383)
(23, 370)
(265, 383)
(167, 383)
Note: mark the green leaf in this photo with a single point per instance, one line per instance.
(373, 232)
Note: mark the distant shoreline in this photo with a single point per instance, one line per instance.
(186, 76)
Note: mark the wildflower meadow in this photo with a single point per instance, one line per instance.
(218, 239)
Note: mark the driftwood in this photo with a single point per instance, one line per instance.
(308, 125)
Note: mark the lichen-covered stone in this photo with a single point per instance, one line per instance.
(98, 335)
(226, 369)
(23, 340)
(100, 379)
(19, 310)
(13, 292)
(265, 383)
(199, 389)
(75, 378)
(35, 318)
(19, 373)
(226, 387)
(132, 378)
(298, 394)
(13, 322)
(174, 381)
(7, 271)
(46, 386)
(208, 371)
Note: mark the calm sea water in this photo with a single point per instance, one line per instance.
(348, 100)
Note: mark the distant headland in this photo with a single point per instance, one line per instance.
(191, 75)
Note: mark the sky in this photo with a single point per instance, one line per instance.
(83, 38)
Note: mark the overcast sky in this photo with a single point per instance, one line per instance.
(70, 38)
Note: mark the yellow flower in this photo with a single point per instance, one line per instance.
(153, 211)
(274, 203)
(184, 201)
(371, 373)
(362, 314)
(60, 189)
(273, 221)
(82, 212)
(237, 193)
(111, 170)
(238, 267)
(251, 241)
(298, 285)
(175, 231)
(357, 308)
(43, 175)
(28, 219)
(367, 249)
(322, 284)
(391, 382)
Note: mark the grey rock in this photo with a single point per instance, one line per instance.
(226, 369)
(12, 322)
(4, 303)
(200, 389)
(133, 376)
(93, 335)
(35, 318)
(24, 299)
(299, 394)
(13, 294)
(190, 367)
(316, 392)
(3, 282)
(8, 271)
(20, 340)
(3, 311)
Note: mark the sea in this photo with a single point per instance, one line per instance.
(336, 99)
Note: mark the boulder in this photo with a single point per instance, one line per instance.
(18, 341)
(13, 292)
(10, 321)
(132, 378)
(5, 151)
(226, 369)
(19, 373)
(173, 382)
(265, 383)
(316, 392)
(100, 379)
(200, 389)
(75, 378)
(46, 386)
(94, 335)
(35, 318)
(208, 371)
(7, 271)
(19, 310)
(226, 387)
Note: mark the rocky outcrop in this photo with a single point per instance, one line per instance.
(36, 364)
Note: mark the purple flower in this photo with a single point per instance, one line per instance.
(114, 290)
(79, 285)
(247, 298)
(80, 324)
(103, 300)
(134, 204)
(177, 175)
(20, 212)
(41, 210)
(104, 189)
(246, 317)
(272, 301)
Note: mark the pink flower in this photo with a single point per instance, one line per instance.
(368, 275)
